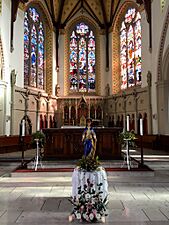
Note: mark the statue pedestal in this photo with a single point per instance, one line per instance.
(80, 178)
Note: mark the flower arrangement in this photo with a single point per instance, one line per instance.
(88, 163)
(89, 205)
(127, 135)
(42, 139)
(39, 135)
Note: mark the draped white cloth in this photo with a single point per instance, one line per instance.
(80, 177)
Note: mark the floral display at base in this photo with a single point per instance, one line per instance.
(127, 135)
(88, 163)
(89, 205)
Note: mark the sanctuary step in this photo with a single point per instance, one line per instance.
(72, 164)
(54, 168)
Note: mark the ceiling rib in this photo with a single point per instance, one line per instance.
(71, 14)
(103, 12)
(52, 9)
(92, 12)
(48, 9)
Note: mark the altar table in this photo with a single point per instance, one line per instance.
(66, 143)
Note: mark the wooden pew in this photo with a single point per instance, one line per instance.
(149, 141)
(13, 143)
(164, 142)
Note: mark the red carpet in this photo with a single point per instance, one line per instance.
(20, 170)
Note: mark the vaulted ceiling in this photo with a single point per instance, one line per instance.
(102, 11)
(61, 11)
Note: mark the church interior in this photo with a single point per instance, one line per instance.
(62, 62)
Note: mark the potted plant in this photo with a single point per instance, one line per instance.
(40, 136)
(129, 136)
(88, 163)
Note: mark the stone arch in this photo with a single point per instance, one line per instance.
(43, 9)
(48, 43)
(68, 29)
(165, 65)
(116, 44)
(161, 48)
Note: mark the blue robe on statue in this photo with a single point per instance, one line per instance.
(89, 138)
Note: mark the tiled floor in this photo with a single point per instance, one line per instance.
(43, 200)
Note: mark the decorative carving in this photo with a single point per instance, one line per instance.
(57, 90)
(49, 60)
(107, 90)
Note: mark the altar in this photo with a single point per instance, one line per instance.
(66, 143)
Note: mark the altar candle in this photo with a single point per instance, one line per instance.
(23, 127)
(141, 126)
(128, 126)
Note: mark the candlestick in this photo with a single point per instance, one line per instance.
(128, 125)
(23, 127)
(141, 126)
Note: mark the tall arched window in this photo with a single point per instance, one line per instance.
(33, 49)
(82, 59)
(130, 49)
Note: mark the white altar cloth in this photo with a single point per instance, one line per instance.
(80, 177)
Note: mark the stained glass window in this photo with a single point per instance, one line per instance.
(82, 59)
(130, 49)
(33, 49)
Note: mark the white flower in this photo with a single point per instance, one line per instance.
(100, 197)
(91, 216)
(78, 196)
(103, 219)
(87, 196)
(84, 215)
(98, 216)
(78, 216)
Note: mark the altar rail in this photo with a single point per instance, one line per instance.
(160, 142)
(13, 144)
(66, 143)
(148, 141)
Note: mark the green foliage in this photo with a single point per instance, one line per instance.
(39, 135)
(88, 163)
(89, 205)
(127, 135)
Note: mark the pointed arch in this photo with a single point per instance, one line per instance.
(116, 69)
(69, 30)
(48, 42)
(161, 48)
(165, 65)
